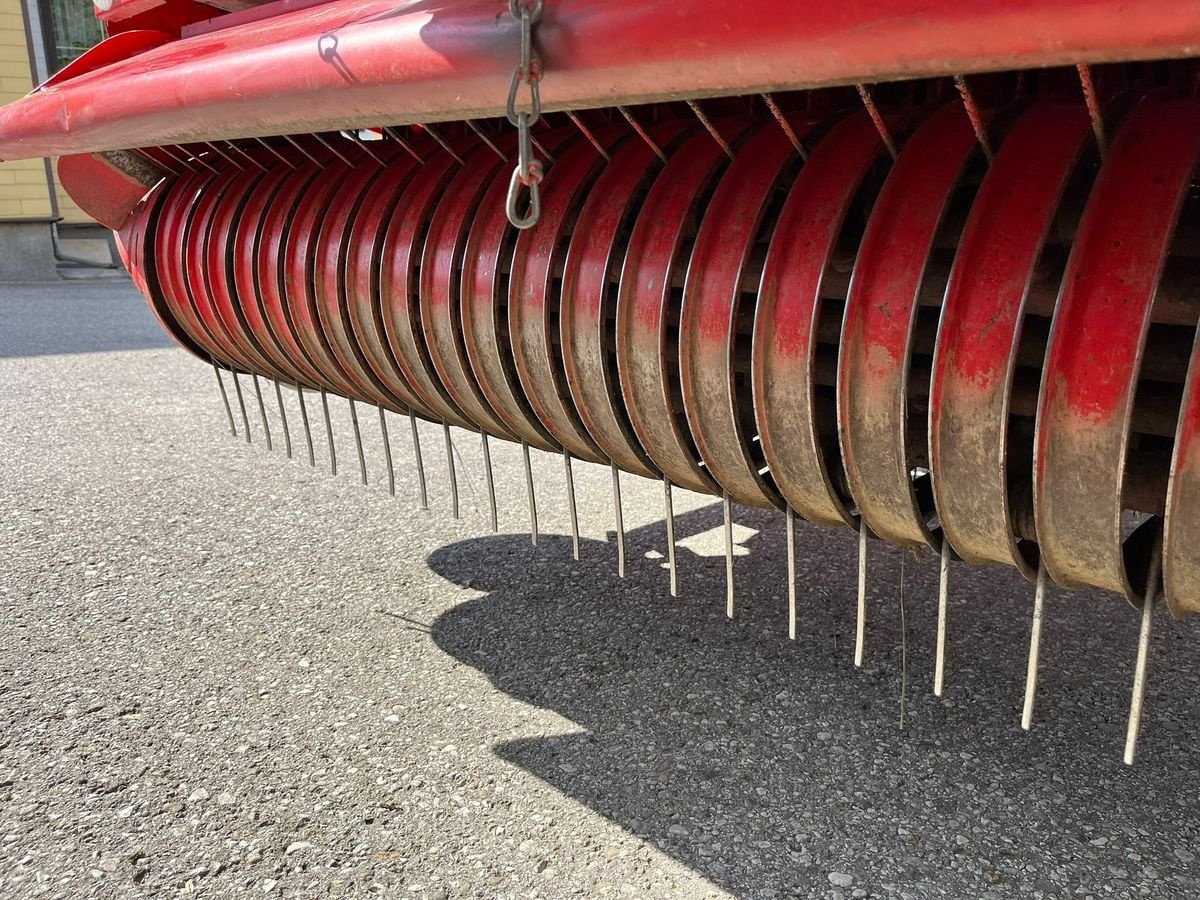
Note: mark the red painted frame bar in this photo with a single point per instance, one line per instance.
(353, 62)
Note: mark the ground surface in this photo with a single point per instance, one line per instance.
(223, 672)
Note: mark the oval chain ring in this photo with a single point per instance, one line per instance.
(528, 71)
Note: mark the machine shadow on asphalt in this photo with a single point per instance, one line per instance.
(715, 739)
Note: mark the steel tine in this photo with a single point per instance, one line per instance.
(974, 116)
(727, 509)
(237, 386)
(588, 134)
(295, 143)
(224, 397)
(287, 435)
(329, 432)
(452, 470)
(939, 665)
(362, 459)
(620, 516)
(262, 410)
(1143, 657)
(531, 498)
(489, 477)
(710, 128)
(312, 458)
(643, 134)
(405, 145)
(1035, 643)
(790, 520)
(483, 136)
(865, 95)
(387, 451)
(571, 508)
(785, 125)
(332, 149)
(1093, 106)
(423, 493)
(279, 156)
(670, 517)
(860, 635)
(433, 133)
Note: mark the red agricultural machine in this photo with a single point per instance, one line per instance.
(923, 269)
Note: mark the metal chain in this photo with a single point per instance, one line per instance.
(528, 71)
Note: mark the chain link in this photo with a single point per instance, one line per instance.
(529, 171)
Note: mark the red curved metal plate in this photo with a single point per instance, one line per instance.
(789, 406)
(534, 299)
(980, 330)
(647, 319)
(329, 286)
(440, 285)
(1096, 344)
(399, 288)
(716, 396)
(877, 330)
(589, 295)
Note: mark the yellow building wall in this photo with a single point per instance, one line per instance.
(23, 189)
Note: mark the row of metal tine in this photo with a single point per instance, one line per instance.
(232, 154)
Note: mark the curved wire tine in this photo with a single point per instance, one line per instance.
(224, 397)
(620, 519)
(939, 666)
(790, 523)
(404, 145)
(182, 157)
(489, 477)
(1035, 644)
(254, 162)
(727, 510)
(975, 117)
(541, 148)
(451, 469)
(482, 135)
(295, 143)
(154, 161)
(287, 435)
(860, 633)
(362, 459)
(710, 128)
(365, 147)
(571, 508)
(785, 125)
(225, 156)
(1138, 696)
(262, 410)
(279, 156)
(329, 433)
(387, 451)
(237, 387)
(328, 145)
(312, 457)
(642, 133)
(588, 134)
(530, 497)
(433, 133)
(201, 160)
(422, 491)
(864, 94)
(1093, 107)
(670, 520)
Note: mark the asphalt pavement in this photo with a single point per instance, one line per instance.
(224, 672)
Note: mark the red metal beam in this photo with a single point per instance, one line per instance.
(354, 62)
